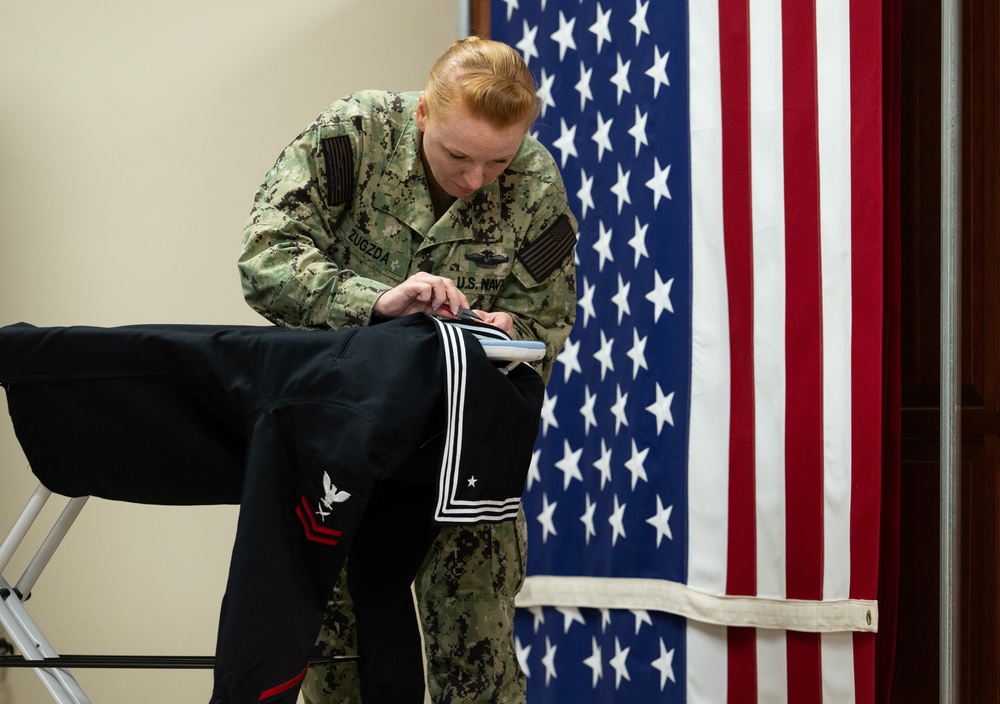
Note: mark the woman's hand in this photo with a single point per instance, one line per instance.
(498, 319)
(421, 293)
(434, 295)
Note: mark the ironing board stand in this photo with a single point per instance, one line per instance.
(38, 654)
(15, 619)
(36, 651)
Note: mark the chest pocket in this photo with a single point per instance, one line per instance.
(374, 245)
(478, 270)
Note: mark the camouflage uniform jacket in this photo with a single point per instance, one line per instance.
(346, 213)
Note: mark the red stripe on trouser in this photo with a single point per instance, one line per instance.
(282, 688)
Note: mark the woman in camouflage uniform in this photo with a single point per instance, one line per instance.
(391, 204)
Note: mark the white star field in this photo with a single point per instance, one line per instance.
(601, 488)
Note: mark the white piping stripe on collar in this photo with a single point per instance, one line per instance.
(455, 378)
(478, 329)
(449, 508)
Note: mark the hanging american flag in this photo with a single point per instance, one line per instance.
(703, 500)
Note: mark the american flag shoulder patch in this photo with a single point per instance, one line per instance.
(339, 160)
(549, 249)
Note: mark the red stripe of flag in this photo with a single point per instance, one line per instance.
(803, 340)
(741, 570)
(866, 338)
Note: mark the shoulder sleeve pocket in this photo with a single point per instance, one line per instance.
(549, 250)
(338, 157)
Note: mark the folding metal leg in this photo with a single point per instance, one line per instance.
(28, 637)
(14, 618)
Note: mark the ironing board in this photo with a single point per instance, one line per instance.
(37, 652)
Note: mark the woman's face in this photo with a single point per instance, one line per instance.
(463, 152)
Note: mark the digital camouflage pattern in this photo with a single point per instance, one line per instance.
(466, 589)
(465, 594)
(332, 228)
(346, 214)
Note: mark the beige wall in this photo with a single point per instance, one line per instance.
(132, 137)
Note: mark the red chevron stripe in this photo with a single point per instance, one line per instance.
(314, 532)
(316, 526)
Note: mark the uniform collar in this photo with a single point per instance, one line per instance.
(404, 193)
